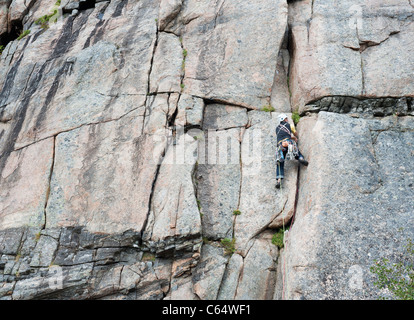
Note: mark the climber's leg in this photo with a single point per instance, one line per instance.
(280, 173)
(280, 154)
(301, 159)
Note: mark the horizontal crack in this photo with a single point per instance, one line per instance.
(364, 44)
(379, 107)
(77, 127)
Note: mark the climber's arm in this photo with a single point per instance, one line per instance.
(294, 134)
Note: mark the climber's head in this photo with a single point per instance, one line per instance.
(282, 117)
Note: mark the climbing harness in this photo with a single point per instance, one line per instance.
(292, 151)
(283, 128)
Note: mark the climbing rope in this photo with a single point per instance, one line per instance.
(286, 236)
(284, 268)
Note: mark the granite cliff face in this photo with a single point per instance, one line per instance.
(138, 145)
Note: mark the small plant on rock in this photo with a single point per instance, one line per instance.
(295, 117)
(148, 256)
(37, 236)
(228, 245)
(236, 212)
(268, 108)
(23, 34)
(397, 277)
(277, 239)
(199, 208)
(44, 21)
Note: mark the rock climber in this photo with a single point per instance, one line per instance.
(286, 135)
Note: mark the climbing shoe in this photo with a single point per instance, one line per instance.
(303, 161)
(278, 183)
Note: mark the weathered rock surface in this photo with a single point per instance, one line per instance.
(82, 194)
(218, 181)
(231, 54)
(257, 280)
(347, 49)
(24, 185)
(167, 72)
(364, 213)
(174, 222)
(190, 111)
(261, 204)
(137, 160)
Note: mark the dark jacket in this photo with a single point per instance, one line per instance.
(283, 131)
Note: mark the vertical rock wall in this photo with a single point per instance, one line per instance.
(138, 150)
(351, 79)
